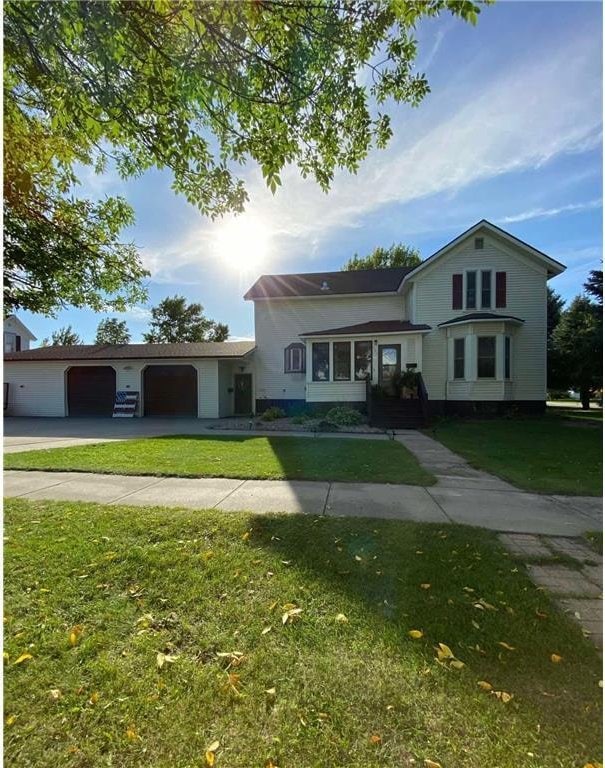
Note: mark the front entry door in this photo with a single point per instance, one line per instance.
(389, 364)
(242, 404)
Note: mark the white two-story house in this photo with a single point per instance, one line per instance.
(471, 319)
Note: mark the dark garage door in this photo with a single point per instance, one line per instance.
(170, 390)
(91, 390)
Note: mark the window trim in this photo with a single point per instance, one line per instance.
(463, 358)
(288, 358)
(315, 344)
(466, 289)
(493, 357)
(366, 377)
(488, 272)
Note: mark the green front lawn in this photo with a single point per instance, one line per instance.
(269, 458)
(286, 640)
(547, 455)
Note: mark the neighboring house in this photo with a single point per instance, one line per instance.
(16, 336)
(471, 319)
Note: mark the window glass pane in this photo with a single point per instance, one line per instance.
(363, 360)
(321, 361)
(486, 357)
(486, 289)
(458, 358)
(506, 358)
(471, 290)
(342, 361)
(9, 342)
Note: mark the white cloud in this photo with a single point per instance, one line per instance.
(544, 213)
(542, 106)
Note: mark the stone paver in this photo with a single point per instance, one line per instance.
(524, 545)
(183, 492)
(589, 614)
(575, 549)
(562, 581)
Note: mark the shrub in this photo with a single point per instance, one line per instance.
(273, 413)
(343, 416)
(301, 418)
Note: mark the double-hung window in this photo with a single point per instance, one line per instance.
(507, 348)
(486, 289)
(459, 358)
(486, 357)
(363, 360)
(342, 361)
(471, 290)
(294, 358)
(321, 360)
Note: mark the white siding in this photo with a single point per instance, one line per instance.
(225, 383)
(526, 299)
(336, 391)
(278, 323)
(38, 388)
(35, 389)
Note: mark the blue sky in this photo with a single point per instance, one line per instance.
(511, 132)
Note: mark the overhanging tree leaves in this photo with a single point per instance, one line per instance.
(397, 255)
(194, 87)
(174, 321)
(112, 331)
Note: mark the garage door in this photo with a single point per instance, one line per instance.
(170, 390)
(91, 390)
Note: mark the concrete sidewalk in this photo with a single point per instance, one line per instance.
(497, 509)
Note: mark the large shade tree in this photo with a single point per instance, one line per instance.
(397, 255)
(197, 88)
(112, 331)
(174, 321)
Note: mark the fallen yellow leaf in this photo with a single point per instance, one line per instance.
(341, 618)
(131, 733)
(555, 658)
(485, 686)
(75, 635)
(415, 634)
(246, 536)
(425, 586)
(456, 663)
(431, 763)
(22, 658)
(506, 645)
(375, 739)
(265, 630)
(541, 614)
(10, 720)
(444, 652)
(503, 696)
(210, 757)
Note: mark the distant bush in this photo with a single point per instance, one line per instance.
(273, 413)
(301, 418)
(344, 417)
(558, 394)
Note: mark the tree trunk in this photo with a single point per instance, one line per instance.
(585, 398)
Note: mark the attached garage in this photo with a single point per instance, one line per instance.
(91, 390)
(170, 390)
(192, 380)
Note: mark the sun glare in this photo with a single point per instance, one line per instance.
(243, 243)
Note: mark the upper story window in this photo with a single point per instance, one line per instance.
(294, 358)
(486, 289)
(479, 244)
(459, 349)
(342, 361)
(486, 357)
(471, 290)
(363, 360)
(321, 360)
(12, 342)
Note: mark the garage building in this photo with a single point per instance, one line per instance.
(195, 380)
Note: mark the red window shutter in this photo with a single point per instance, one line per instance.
(500, 289)
(456, 291)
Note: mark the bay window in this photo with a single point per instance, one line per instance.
(363, 360)
(486, 357)
(459, 345)
(342, 361)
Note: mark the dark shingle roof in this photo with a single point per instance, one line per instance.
(374, 326)
(223, 349)
(480, 316)
(328, 283)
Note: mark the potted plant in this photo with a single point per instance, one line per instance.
(407, 382)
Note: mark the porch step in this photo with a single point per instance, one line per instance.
(394, 413)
